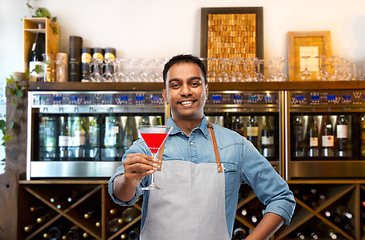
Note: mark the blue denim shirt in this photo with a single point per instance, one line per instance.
(242, 163)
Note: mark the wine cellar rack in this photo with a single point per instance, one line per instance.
(37, 193)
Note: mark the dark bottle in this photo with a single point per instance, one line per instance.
(240, 232)
(327, 138)
(227, 121)
(237, 125)
(130, 214)
(55, 233)
(267, 139)
(74, 59)
(342, 130)
(73, 233)
(36, 208)
(109, 55)
(134, 234)
(252, 131)
(309, 231)
(114, 225)
(86, 55)
(312, 141)
(298, 137)
(46, 216)
(344, 211)
(30, 227)
(62, 197)
(98, 53)
(362, 126)
(130, 133)
(300, 235)
(35, 58)
(64, 139)
(326, 229)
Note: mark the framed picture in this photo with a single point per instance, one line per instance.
(304, 49)
(231, 33)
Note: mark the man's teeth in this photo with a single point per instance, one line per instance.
(187, 102)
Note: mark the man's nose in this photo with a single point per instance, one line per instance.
(185, 90)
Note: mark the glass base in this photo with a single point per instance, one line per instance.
(151, 187)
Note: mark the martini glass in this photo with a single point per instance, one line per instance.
(154, 137)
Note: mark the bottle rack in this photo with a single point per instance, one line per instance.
(94, 197)
(30, 30)
(308, 214)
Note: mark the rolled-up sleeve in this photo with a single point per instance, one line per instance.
(270, 188)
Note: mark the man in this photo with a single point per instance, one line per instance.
(202, 169)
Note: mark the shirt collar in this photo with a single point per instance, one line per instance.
(203, 127)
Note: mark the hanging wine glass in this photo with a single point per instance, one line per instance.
(335, 74)
(281, 76)
(211, 66)
(362, 75)
(131, 75)
(306, 74)
(236, 73)
(107, 75)
(223, 75)
(95, 75)
(272, 72)
(245, 76)
(322, 74)
(258, 76)
(142, 76)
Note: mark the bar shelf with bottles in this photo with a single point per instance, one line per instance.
(84, 134)
(326, 135)
(253, 114)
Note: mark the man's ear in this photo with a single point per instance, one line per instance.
(164, 95)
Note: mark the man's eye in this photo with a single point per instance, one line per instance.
(175, 85)
(195, 83)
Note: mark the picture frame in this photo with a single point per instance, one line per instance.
(306, 43)
(231, 32)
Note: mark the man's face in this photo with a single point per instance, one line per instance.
(185, 91)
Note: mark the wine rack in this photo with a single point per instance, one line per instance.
(93, 199)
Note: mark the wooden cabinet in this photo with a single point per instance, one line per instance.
(30, 31)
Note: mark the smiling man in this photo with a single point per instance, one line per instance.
(202, 169)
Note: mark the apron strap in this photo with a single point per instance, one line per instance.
(215, 148)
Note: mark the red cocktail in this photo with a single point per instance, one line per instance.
(154, 137)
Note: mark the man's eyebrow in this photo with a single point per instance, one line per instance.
(190, 79)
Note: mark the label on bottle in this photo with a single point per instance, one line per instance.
(313, 142)
(63, 141)
(79, 138)
(342, 131)
(98, 55)
(32, 70)
(85, 57)
(267, 140)
(252, 131)
(109, 56)
(327, 141)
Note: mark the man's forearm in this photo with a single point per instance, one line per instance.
(123, 190)
(269, 224)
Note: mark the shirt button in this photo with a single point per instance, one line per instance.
(191, 143)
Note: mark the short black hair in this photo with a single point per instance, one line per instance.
(184, 58)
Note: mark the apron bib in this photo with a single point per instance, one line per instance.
(191, 203)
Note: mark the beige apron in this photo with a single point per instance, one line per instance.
(191, 204)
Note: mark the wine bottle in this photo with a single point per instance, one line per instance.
(267, 139)
(244, 212)
(110, 54)
(29, 227)
(55, 233)
(62, 197)
(74, 59)
(342, 136)
(79, 138)
(134, 234)
(145, 121)
(112, 136)
(130, 133)
(77, 195)
(46, 216)
(64, 139)
(300, 235)
(73, 233)
(252, 130)
(362, 126)
(85, 64)
(344, 211)
(326, 229)
(227, 123)
(327, 138)
(313, 150)
(98, 224)
(114, 225)
(123, 236)
(114, 211)
(310, 232)
(35, 59)
(237, 125)
(239, 233)
(50, 137)
(94, 133)
(36, 208)
(298, 143)
(130, 214)
(362, 203)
